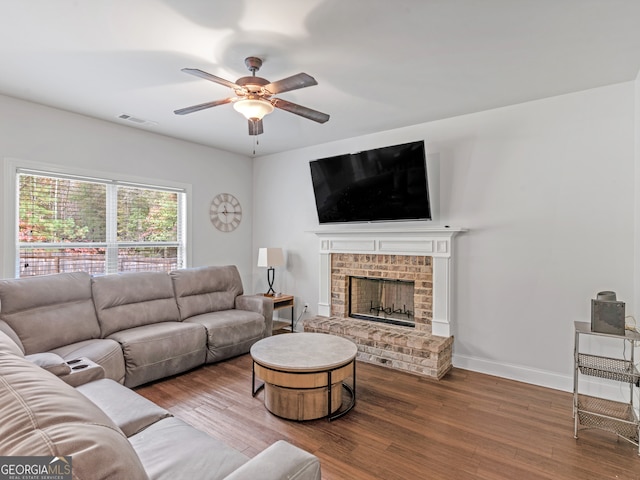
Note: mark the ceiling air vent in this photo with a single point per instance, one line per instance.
(136, 120)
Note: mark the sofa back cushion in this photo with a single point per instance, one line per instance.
(127, 300)
(42, 415)
(206, 289)
(49, 311)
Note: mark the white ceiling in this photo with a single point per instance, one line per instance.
(380, 64)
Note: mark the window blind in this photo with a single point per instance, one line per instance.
(79, 223)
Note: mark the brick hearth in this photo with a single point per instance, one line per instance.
(411, 349)
(401, 348)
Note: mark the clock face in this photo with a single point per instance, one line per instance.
(225, 212)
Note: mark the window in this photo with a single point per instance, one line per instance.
(69, 223)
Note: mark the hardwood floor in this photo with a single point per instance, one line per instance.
(466, 426)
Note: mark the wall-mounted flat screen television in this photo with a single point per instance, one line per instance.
(384, 184)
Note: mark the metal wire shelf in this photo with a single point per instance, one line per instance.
(620, 418)
(609, 368)
(616, 417)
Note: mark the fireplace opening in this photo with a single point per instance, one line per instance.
(382, 300)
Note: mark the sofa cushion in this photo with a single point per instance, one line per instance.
(41, 415)
(105, 352)
(194, 454)
(59, 304)
(206, 289)
(127, 300)
(128, 410)
(230, 332)
(161, 349)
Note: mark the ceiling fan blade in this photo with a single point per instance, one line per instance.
(210, 77)
(294, 82)
(300, 110)
(255, 127)
(201, 106)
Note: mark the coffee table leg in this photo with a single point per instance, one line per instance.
(354, 386)
(350, 389)
(254, 390)
(329, 390)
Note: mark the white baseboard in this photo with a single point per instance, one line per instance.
(544, 378)
(515, 372)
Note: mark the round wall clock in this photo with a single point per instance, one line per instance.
(225, 212)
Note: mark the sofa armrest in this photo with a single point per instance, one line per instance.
(259, 304)
(50, 362)
(8, 344)
(280, 460)
(83, 370)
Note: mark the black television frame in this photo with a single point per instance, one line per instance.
(386, 184)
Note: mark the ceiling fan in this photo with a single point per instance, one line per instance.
(254, 95)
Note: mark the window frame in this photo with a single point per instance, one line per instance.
(14, 167)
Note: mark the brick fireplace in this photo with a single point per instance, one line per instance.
(420, 255)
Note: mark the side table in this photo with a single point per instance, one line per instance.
(280, 302)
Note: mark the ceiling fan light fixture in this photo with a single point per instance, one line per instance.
(253, 108)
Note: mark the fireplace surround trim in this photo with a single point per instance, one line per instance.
(435, 242)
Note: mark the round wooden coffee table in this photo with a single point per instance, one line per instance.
(303, 374)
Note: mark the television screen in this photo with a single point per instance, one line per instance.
(383, 184)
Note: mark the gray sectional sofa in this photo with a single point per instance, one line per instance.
(138, 327)
(111, 432)
(69, 341)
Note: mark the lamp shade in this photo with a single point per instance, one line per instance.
(253, 108)
(270, 257)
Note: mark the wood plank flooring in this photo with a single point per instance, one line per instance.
(466, 426)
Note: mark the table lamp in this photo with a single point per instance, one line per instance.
(270, 257)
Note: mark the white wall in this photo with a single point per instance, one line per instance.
(636, 216)
(546, 189)
(34, 133)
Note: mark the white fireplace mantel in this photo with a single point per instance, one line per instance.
(435, 242)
